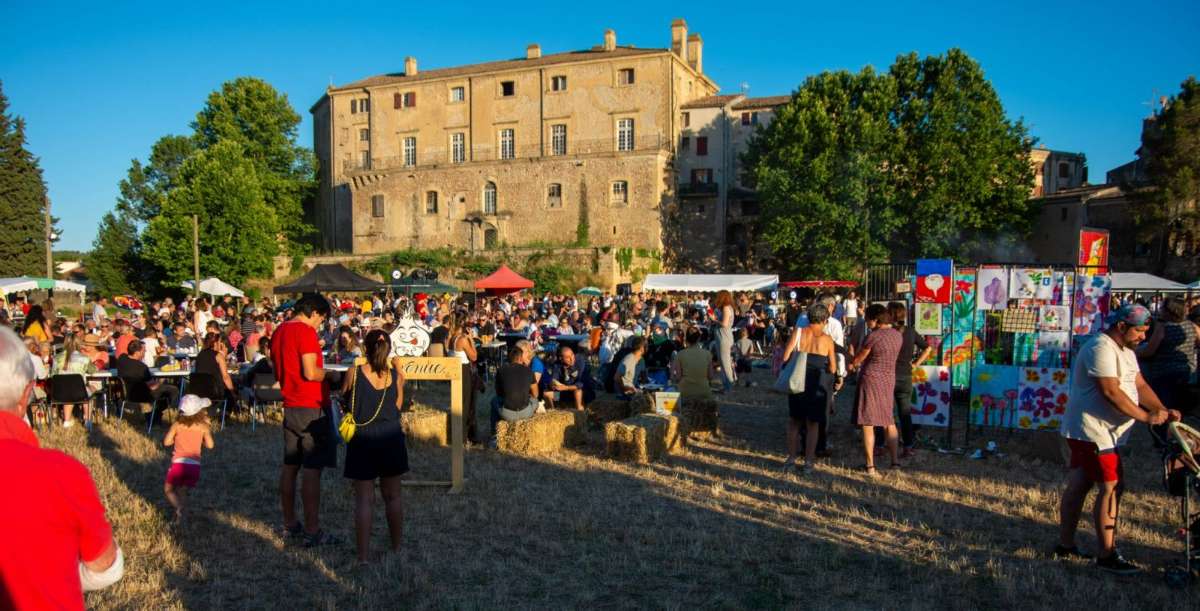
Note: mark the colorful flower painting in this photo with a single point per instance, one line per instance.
(963, 305)
(991, 289)
(931, 395)
(1031, 283)
(1042, 397)
(1090, 303)
(964, 349)
(994, 395)
(928, 319)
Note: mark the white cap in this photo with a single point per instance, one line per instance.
(190, 405)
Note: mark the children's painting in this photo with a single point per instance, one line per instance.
(960, 354)
(963, 299)
(1053, 348)
(1053, 318)
(1042, 397)
(929, 319)
(991, 288)
(931, 395)
(994, 395)
(1031, 283)
(1090, 304)
(934, 279)
(1064, 285)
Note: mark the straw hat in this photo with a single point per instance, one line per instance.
(91, 340)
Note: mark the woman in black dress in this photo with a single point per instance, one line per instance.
(374, 393)
(811, 407)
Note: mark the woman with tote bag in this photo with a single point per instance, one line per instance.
(809, 394)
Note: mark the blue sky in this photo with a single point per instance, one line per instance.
(98, 85)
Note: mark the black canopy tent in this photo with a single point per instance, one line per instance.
(329, 277)
(410, 286)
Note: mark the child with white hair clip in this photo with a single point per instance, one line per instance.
(189, 433)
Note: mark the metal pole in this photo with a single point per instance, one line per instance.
(49, 240)
(195, 255)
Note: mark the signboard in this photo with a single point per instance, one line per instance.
(1093, 250)
(933, 280)
(410, 337)
(447, 369)
(903, 287)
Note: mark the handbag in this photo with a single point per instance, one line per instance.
(347, 427)
(792, 377)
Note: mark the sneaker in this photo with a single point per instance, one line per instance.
(1117, 565)
(321, 538)
(294, 531)
(68, 424)
(1063, 552)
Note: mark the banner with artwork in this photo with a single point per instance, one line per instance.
(1093, 250)
(930, 397)
(933, 280)
(1090, 303)
(1031, 283)
(994, 395)
(991, 288)
(1042, 397)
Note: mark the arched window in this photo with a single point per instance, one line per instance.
(490, 237)
(489, 198)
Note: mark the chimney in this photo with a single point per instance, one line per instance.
(533, 51)
(610, 40)
(410, 66)
(695, 53)
(679, 39)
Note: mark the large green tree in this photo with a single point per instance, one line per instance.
(1167, 209)
(22, 201)
(112, 263)
(252, 113)
(917, 161)
(239, 230)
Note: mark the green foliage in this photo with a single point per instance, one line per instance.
(145, 186)
(297, 264)
(239, 230)
(624, 259)
(553, 277)
(919, 161)
(1171, 152)
(113, 256)
(22, 201)
(582, 229)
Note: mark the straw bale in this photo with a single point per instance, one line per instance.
(424, 424)
(642, 403)
(643, 438)
(542, 434)
(697, 415)
(608, 408)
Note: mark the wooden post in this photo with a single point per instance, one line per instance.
(448, 369)
(196, 255)
(49, 241)
(456, 435)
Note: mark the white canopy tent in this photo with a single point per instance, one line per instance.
(1194, 285)
(28, 283)
(214, 286)
(1137, 281)
(707, 283)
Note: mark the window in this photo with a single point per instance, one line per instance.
(687, 119)
(625, 135)
(458, 94)
(458, 147)
(360, 105)
(410, 152)
(745, 118)
(489, 198)
(558, 83)
(1064, 170)
(701, 145)
(625, 76)
(364, 159)
(507, 146)
(620, 192)
(364, 135)
(377, 206)
(1062, 213)
(554, 195)
(353, 106)
(685, 144)
(410, 99)
(343, 136)
(431, 202)
(702, 176)
(397, 100)
(754, 118)
(490, 238)
(508, 88)
(558, 139)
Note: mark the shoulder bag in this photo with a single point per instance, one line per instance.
(792, 377)
(347, 427)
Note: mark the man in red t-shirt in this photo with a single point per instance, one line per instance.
(54, 540)
(308, 439)
(123, 337)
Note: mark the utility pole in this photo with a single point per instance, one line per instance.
(195, 255)
(49, 241)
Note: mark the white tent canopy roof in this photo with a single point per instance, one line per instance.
(709, 282)
(1137, 281)
(27, 283)
(214, 286)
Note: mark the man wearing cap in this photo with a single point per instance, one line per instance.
(1108, 395)
(56, 541)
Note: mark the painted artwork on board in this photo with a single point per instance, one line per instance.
(1053, 348)
(960, 355)
(1054, 318)
(931, 395)
(1031, 283)
(928, 319)
(1090, 303)
(991, 289)
(934, 278)
(1042, 397)
(994, 395)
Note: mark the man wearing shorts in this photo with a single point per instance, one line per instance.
(308, 440)
(1108, 395)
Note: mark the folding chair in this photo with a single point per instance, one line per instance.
(265, 389)
(69, 389)
(207, 386)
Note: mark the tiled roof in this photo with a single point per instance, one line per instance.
(508, 64)
(765, 102)
(712, 101)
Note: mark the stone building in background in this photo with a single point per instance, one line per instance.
(1055, 171)
(539, 149)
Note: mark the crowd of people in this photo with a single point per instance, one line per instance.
(537, 352)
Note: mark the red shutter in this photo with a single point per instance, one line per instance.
(410, 99)
(397, 101)
(702, 145)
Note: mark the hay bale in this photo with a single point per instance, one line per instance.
(697, 415)
(542, 434)
(642, 438)
(607, 408)
(424, 424)
(642, 403)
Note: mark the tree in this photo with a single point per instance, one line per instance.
(1167, 208)
(918, 161)
(22, 201)
(146, 185)
(113, 258)
(250, 112)
(239, 231)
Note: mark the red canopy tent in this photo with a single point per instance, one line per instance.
(819, 284)
(502, 281)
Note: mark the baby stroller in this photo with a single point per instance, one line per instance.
(1181, 476)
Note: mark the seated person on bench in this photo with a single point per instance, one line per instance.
(571, 378)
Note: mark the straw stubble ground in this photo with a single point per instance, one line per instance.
(718, 526)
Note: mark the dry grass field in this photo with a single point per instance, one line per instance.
(719, 526)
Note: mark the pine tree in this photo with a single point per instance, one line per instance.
(22, 201)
